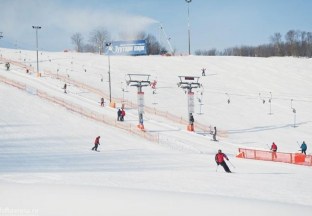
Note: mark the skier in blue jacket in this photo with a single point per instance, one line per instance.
(303, 147)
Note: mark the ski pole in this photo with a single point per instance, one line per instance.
(217, 168)
(298, 143)
(231, 164)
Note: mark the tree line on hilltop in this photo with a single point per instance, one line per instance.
(99, 37)
(296, 43)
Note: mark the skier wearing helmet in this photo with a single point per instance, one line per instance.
(220, 160)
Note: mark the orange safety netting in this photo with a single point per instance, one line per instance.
(294, 158)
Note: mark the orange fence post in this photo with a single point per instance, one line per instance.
(190, 127)
(240, 155)
(299, 158)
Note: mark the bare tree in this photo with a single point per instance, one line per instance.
(89, 48)
(291, 39)
(276, 40)
(98, 37)
(211, 52)
(309, 44)
(77, 40)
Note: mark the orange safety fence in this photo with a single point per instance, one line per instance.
(294, 158)
(83, 111)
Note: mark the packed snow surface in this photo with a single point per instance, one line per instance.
(48, 168)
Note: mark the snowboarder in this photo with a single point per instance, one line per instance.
(273, 149)
(220, 160)
(65, 86)
(123, 114)
(214, 135)
(119, 115)
(303, 147)
(102, 102)
(96, 143)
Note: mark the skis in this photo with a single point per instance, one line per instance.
(95, 150)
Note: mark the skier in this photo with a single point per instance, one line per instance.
(7, 65)
(214, 136)
(102, 102)
(118, 115)
(303, 148)
(96, 143)
(65, 86)
(220, 160)
(123, 114)
(203, 72)
(153, 86)
(273, 149)
(191, 119)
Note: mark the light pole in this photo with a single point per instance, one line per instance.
(0, 38)
(37, 27)
(109, 76)
(189, 30)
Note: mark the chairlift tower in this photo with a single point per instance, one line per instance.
(139, 81)
(188, 83)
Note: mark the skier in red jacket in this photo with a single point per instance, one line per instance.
(273, 149)
(220, 160)
(123, 114)
(96, 143)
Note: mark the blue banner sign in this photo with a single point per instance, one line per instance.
(136, 47)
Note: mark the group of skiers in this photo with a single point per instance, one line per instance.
(7, 66)
(121, 114)
(303, 149)
(220, 157)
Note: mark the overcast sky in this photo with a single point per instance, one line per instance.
(214, 23)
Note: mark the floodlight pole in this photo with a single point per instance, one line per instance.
(294, 111)
(37, 27)
(1, 36)
(109, 75)
(270, 101)
(189, 30)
